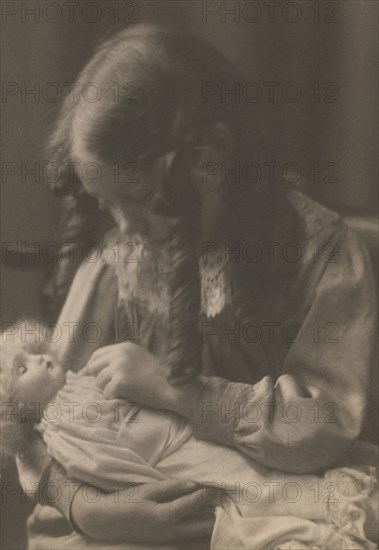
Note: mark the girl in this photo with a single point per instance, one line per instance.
(150, 157)
(127, 445)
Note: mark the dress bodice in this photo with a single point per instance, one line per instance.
(254, 349)
(142, 271)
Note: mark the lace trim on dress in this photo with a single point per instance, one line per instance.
(352, 511)
(142, 270)
(215, 285)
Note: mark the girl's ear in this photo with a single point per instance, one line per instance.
(221, 138)
(218, 148)
(210, 160)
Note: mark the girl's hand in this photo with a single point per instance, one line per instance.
(159, 512)
(128, 371)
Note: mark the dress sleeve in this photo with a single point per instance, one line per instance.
(88, 314)
(306, 419)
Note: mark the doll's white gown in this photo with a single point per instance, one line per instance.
(112, 443)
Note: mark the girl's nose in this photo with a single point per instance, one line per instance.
(102, 204)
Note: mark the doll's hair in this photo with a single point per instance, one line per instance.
(17, 432)
(168, 68)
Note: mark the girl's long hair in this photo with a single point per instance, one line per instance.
(154, 84)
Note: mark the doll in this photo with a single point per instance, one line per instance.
(106, 442)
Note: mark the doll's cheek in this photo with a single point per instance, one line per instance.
(28, 391)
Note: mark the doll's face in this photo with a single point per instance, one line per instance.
(36, 378)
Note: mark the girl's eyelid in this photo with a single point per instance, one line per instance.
(103, 204)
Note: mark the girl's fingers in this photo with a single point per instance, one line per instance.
(170, 489)
(103, 379)
(96, 365)
(111, 390)
(101, 351)
(186, 505)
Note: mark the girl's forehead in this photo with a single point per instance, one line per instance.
(98, 178)
(117, 182)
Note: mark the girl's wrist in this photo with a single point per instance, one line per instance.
(187, 399)
(82, 518)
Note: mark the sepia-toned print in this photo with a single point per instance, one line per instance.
(189, 264)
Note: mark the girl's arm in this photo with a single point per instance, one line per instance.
(157, 512)
(91, 301)
(154, 513)
(308, 418)
(305, 420)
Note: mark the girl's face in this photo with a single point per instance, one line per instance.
(127, 191)
(36, 378)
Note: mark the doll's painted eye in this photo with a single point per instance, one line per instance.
(20, 364)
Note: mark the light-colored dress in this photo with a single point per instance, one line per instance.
(112, 443)
(309, 389)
